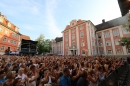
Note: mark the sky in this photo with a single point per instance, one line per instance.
(50, 17)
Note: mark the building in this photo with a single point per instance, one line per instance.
(9, 35)
(108, 35)
(83, 38)
(124, 6)
(57, 45)
(79, 38)
(25, 37)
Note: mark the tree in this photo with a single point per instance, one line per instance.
(43, 45)
(125, 41)
(40, 44)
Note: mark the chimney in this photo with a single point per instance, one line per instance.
(103, 21)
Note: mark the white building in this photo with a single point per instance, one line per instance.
(57, 46)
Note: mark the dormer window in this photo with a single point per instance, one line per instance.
(72, 24)
(1, 19)
(16, 29)
(9, 25)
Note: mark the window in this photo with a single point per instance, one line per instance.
(14, 42)
(81, 27)
(66, 53)
(66, 39)
(66, 33)
(101, 51)
(11, 41)
(73, 37)
(117, 41)
(119, 51)
(2, 47)
(1, 19)
(4, 39)
(109, 51)
(115, 32)
(9, 25)
(66, 46)
(0, 29)
(107, 34)
(125, 31)
(100, 43)
(81, 34)
(108, 43)
(73, 30)
(82, 43)
(93, 43)
(83, 51)
(16, 29)
(6, 32)
(99, 35)
(72, 24)
(129, 51)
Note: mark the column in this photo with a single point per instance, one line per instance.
(104, 44)
(121, 35)
(113, 45)
(63, 44)
(88, 39)
(97, 44)
(69, 38)
(77, 40)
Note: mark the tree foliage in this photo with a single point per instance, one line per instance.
(43, 45)
(125, 41)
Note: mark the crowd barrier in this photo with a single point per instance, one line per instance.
(114, 77)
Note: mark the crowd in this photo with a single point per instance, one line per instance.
(55, 70)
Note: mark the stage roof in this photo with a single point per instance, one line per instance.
(27, 41)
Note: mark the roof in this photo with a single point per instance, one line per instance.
(27, 41)
(112, 23)
(24, 37)
(59, 39)
(124, 6)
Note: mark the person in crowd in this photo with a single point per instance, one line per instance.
(52, 70)
(101, 74)
(83, 79)
(65, 79)
(92, 77)
(2, 76)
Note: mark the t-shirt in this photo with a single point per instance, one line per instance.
(2, 80)
(22, 77)
(7, 85)
(32, 83)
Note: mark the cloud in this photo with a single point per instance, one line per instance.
(51, 6)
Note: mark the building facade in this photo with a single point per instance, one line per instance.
(57, 46)
(108, 35)
(9, 35)
(83, 38)
(79, 38)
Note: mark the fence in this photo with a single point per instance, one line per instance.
(114, 77)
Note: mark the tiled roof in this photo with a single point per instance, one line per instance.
(24, 37)
(112, 23)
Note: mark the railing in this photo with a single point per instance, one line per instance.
(114, 76)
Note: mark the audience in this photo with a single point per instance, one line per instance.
(56, 70)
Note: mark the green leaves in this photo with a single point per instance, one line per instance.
(125, 41)
(43, 45)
